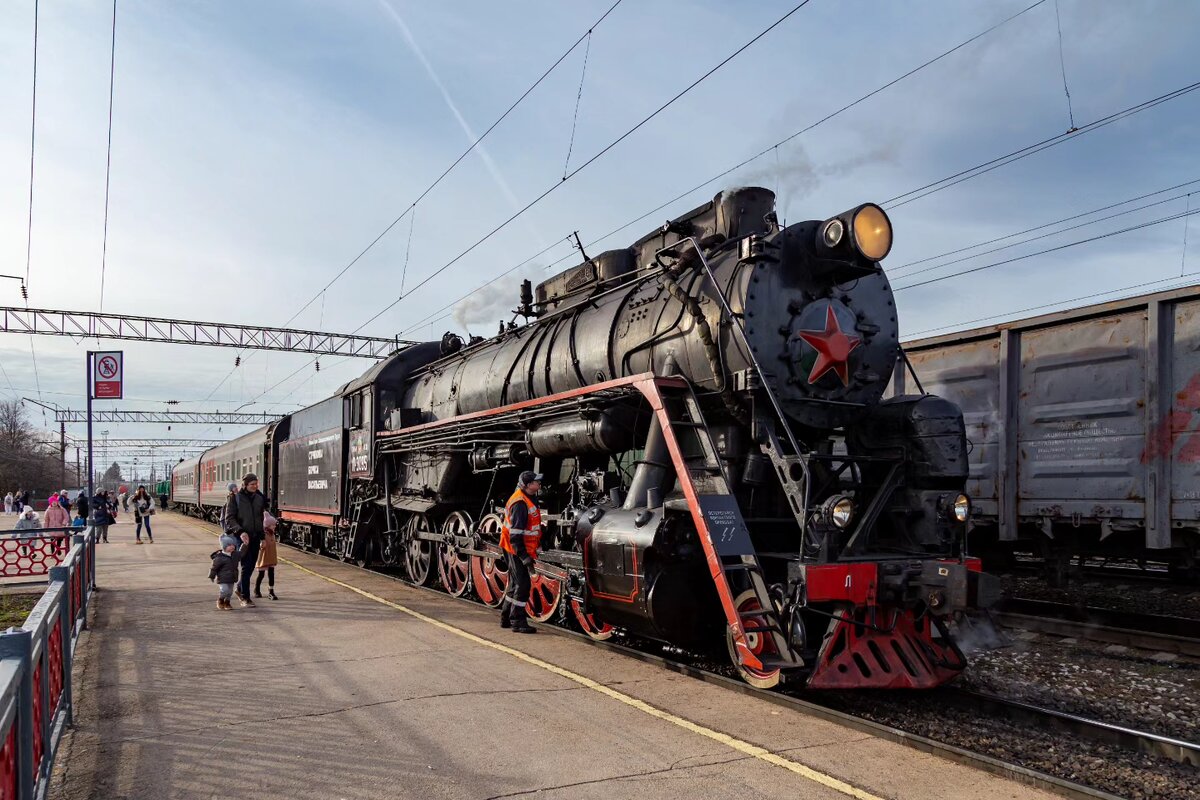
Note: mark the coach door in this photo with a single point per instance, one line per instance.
(360, 422)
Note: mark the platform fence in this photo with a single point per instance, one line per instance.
(36, 698)
(33, 553)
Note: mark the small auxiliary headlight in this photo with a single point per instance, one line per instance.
(872, 232)
(832, 233)
(961, 509)
(842, 512)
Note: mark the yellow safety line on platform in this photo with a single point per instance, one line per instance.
(742, 746)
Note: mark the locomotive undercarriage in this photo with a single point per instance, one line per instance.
(648, 539)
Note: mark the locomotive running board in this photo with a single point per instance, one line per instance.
(715, 513)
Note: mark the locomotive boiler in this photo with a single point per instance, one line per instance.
(723, 468)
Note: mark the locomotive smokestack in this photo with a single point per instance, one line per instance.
(525, 309)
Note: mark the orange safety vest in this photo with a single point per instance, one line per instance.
(532, 534)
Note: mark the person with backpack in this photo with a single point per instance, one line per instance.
(102, 515)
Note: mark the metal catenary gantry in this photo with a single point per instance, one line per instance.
(91, 324)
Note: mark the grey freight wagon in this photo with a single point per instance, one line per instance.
(1084, 426)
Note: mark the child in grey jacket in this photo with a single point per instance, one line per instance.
(225, 570)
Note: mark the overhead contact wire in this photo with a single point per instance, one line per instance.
(1025, 152)
(893, 270)
(464, 154)
(589, 162)
(411, 209)
(32, 149)
(1063, 63)
(1038, 237)
(112, 73)
(1076, 243)
(29, 224)
(578, 99)
(1064, 302)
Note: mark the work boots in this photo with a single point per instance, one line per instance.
(520, 621)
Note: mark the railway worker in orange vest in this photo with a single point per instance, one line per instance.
(519, 537)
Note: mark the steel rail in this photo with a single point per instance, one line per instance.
(1178, 635)
(1177, 750)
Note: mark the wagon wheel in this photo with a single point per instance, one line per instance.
(330, 542)
(418, 554)
(489, 574)
(454, 568)
(589, 623)
(545, 595)
(390, 549)
(760, 644)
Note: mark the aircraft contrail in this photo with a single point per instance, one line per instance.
(471, 135)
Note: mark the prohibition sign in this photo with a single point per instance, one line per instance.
(107, 367)
(108, 378)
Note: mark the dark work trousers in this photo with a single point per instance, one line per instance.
(516, 596)
(249, 559)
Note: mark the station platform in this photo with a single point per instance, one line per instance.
(353, 685)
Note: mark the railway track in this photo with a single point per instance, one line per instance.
(1177, 750)
(833, 709)
(1178, 635)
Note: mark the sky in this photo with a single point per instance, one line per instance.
(258, 148)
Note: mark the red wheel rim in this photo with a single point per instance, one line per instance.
(544, 597)
(455, 569)
(589, 624)
(489, 574)
(758, 644)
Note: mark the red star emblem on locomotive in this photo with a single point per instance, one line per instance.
(833, 349)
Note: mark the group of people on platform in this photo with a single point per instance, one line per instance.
(59, 505)
(15, 502)
(106, 507)
(248, 542)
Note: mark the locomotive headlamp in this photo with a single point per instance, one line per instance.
(853, 242)
(837, 511)
(872, 232)
(961, 509)
(832, 233)
(842, 512)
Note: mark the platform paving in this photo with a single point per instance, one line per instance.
(331, 694)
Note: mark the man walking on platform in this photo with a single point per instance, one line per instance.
(519, 538)
(244, 518)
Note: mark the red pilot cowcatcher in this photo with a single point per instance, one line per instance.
(833, 349)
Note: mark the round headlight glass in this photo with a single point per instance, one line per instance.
(842, 512)
(872, 232)
(832, 233)
(961, 509)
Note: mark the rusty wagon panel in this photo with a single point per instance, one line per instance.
(1089, 417)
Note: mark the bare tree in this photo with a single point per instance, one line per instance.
(25, 462)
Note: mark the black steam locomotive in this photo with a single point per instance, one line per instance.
(723, 467)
